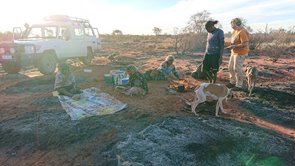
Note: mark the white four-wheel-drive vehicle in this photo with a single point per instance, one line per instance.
(43, 45)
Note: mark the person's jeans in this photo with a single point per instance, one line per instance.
(235, 67)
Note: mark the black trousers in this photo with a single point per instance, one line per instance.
(211, 66)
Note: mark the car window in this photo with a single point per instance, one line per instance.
(50, 32)
(62, 31)
(78, 31)
(42, 32)
(96, 32)
(35, 32)
(88, 32)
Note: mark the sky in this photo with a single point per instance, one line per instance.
(141, 16)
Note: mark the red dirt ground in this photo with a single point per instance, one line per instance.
(158, 101)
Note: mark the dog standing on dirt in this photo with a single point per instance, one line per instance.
(218, 92)
(251, 74)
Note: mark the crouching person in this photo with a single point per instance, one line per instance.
(137, 85)
(166, 71)
(65, 83)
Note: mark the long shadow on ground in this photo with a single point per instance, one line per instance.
(203, 140)
(55, 131)
(37, 84)
(276, 105)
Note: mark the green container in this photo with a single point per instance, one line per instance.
(108, 79)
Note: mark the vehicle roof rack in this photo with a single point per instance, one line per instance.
(65, 18)
(79, 19)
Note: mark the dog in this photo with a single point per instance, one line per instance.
(218, 92)
(251, 74)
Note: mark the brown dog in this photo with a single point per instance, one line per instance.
(218, 92)
(251, 74)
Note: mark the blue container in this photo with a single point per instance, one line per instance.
(125, 81)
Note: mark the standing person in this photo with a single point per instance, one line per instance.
(214, 51)
(137, 85)
(27, 26)
(239, 51)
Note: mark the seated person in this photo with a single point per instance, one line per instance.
(137, 85)
(65, 82)
(166, 71)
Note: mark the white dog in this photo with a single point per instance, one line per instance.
(218, 92)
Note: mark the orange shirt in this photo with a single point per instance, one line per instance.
(238, 37)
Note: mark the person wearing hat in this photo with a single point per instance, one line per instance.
(166, 71)
(239, 51)
(65, 82)
(24, 33)
(137, 85)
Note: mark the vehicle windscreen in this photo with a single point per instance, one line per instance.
(42, 32)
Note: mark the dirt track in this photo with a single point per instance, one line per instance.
(35, 130)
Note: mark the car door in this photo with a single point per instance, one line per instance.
(90, 37)
(79, 42)
(17, 32)
(72, 43)
(66, 43)
(95, 30)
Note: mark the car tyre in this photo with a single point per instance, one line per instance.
(47, 64)
(11, 67)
